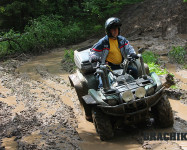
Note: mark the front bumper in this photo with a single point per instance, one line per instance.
(134, 107)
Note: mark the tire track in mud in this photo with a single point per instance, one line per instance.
(45, 113)
(33, 113)
(130, 137)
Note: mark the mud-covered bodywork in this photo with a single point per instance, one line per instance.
(114, 105)
(85, 81)
(122, 97)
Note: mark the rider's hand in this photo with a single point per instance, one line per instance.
(95, 59)
(133, 55)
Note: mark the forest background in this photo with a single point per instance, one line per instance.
(33, 26)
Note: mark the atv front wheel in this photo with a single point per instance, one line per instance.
(102, 124)
(163, 113)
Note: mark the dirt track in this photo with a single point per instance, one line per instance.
(39, 110)
(33, 113)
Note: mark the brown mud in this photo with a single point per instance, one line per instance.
(34, 113)
(39, 109)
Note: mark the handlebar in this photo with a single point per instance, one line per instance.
(97, 66)
(123, 65)
(130, 58)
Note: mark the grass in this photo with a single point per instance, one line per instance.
(68, 61)
(177, 54)
(185, 66)
(174, 87)
(150, 57)
(156, 68)
(151, 60)
(69, 55)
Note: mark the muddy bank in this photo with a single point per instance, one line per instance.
(155, 25)
(34, 114)
(39, 110)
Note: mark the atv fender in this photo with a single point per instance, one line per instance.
(81, 91)
(89, 100)
(94, 98)
(75, 82)
(98, 98)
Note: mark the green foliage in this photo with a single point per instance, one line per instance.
(10, 46)
(171, 74)
(43, 32)
(156, 68)
(101, 9)
(44, 24)
(178, 54)
(151, 59)
(185, 0)
(69, 55)
(97, 28)
(185, 66)
(174, 87)
(15, 14)
(4, 48)
(21, 11)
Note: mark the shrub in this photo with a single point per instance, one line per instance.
(174, 87)
(10, 45)
(69, 55)
(151, 59)
(156, 68)
(178, 54)
(43, 32)
(54, 26)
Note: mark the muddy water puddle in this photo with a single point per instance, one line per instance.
(181, 110)
(123, 139)
(91, 140)
(132, 138)
(34, 137)
(9, 143)
(51, 62)
(179, 74)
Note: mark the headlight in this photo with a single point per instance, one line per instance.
(140, 92)
(127, 96)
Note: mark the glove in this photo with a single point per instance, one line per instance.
(94, 59)
(133, 55)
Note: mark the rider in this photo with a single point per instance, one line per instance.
(113, 48)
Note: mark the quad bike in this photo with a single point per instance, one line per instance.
(123, 100)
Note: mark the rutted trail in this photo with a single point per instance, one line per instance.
(33, 113)
(39, 109)
(44, 112)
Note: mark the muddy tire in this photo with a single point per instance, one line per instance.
(163, 113)
(102, 124)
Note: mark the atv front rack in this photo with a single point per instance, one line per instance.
(134, 107)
